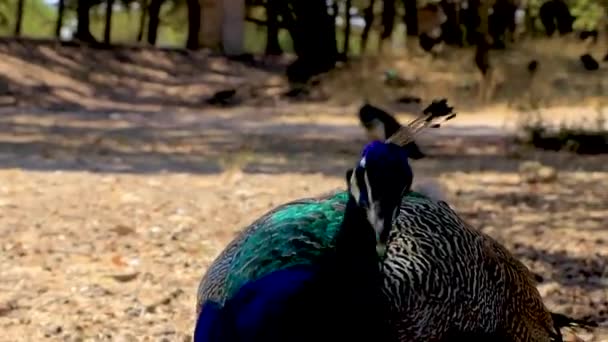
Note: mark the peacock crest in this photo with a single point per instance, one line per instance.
(432, 116)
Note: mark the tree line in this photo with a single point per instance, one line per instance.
(312, 23)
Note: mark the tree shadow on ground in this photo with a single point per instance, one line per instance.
(569, 271)
(143, 79)
(210, 143)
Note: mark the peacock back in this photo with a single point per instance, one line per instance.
(294, 233)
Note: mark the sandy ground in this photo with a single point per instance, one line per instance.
(109, 215)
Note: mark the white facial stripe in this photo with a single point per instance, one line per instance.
(373, 218)
(373, 212)
(368, 188)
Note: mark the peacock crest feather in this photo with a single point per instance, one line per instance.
(432, 116)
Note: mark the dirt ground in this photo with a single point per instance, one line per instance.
(116, 192)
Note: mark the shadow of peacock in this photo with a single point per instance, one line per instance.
(440, 279)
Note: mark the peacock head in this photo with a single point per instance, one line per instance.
(377, 184)
(383, 174)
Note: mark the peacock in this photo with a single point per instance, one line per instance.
(335, 293)
(441, 279)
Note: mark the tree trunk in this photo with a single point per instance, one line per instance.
(450, 30)
(388, 19)
(482, 52)
(411, 17)
(335, 10)
(232, 27)
(482, 11)
(604, 26)
(530, 27)
(348, 6)
(330, 23)
(368, 16)
(501, 23)
(472, 21)
(314, 40)
(142, 19)
(212, 22)
(273, 47)
(60, 12)
(19, 14)
(108, 29)
(288, 18)
(194, 24)
(334, 17)
(83, 31)
(154, 20)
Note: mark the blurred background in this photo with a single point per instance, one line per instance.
(138, 136)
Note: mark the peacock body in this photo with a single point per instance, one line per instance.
(320, 287)
(441, 276)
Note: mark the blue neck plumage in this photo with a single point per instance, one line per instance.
(356, 240)
(358, 273)
(345, 283)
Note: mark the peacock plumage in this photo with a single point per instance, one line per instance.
(292, 234)
(332, 294)
(441, 279)
(441, 275)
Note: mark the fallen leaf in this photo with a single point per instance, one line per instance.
(118, 261)
(126, 277)
(5, 308)
(123, 230)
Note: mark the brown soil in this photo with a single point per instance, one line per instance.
(113, 201)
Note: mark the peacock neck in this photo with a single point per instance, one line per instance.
(391, 126)
(358, 278)
(356, 241)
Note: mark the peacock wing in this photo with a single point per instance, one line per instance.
(292, 234)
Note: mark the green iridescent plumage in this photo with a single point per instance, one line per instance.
(292, 234)
(296, 234)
